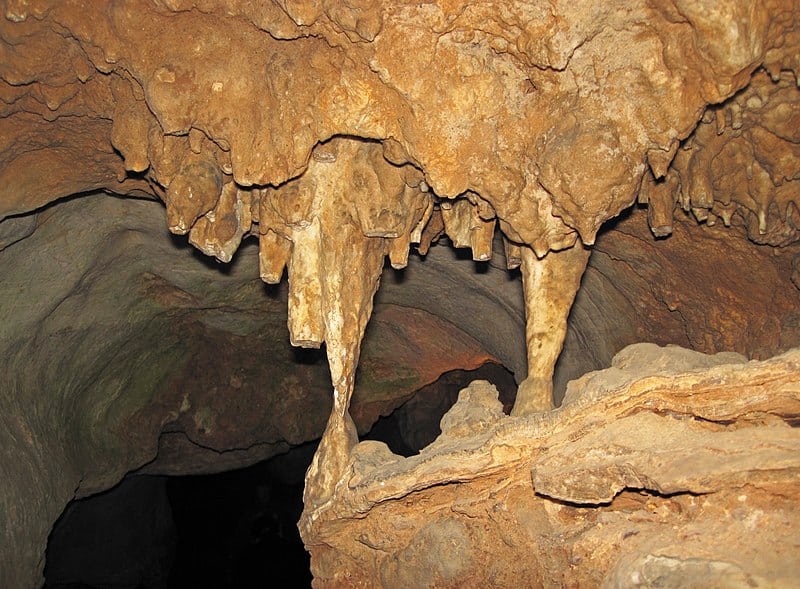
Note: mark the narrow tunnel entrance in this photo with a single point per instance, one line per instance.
(234, 529)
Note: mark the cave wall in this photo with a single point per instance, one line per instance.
(127, 268)
(123, 349)
(337, 135)
(706, 288)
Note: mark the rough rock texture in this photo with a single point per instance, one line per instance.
(239, 340)
(341, 133)
(740, 165)
(491, 99)
(704, 287)
(669, 469)
(416, 423)
(541, 121)
(118, 344)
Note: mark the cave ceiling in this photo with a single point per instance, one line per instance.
(544, 117)
(340, 134)
(311, 144)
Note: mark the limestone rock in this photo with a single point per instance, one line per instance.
(342, 134)
(639, 360)
(516, 114)
(676, 476)
(120, 348)
(476, 409)
(16, 229)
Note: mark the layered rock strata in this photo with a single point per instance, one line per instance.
(669, 469)
(340, 130)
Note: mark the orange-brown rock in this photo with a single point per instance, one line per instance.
(741, 165)
(671, 468)
(540, 121)
(333, 132)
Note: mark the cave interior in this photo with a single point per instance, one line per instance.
(394, 294)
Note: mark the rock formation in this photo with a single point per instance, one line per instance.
(341, 133)
(645, 477)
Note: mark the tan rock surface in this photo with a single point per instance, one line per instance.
(334, 132)
(668, 469)
(239, 361)
(540, 121)
(740, 166)
(120, 347)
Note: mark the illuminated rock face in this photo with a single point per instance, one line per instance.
(656, 472)
(342, 133)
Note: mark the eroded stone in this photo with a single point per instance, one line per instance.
(343, 135)
(671, 476)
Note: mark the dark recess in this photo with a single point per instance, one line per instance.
(236, 529)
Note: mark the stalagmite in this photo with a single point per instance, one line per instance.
(550, 285)
(656, 472)
(345, 132)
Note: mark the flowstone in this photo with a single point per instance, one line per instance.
(671, 468)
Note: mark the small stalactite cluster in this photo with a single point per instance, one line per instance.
(344, 132)
(741, 165)
(358, 201)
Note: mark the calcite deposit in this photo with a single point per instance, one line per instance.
(647, 476)
(740, 165)
(339, 134)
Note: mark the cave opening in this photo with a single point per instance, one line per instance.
(236, 528)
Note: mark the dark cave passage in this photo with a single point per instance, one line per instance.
(238, 528)
(235, 529)
(228, 530)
